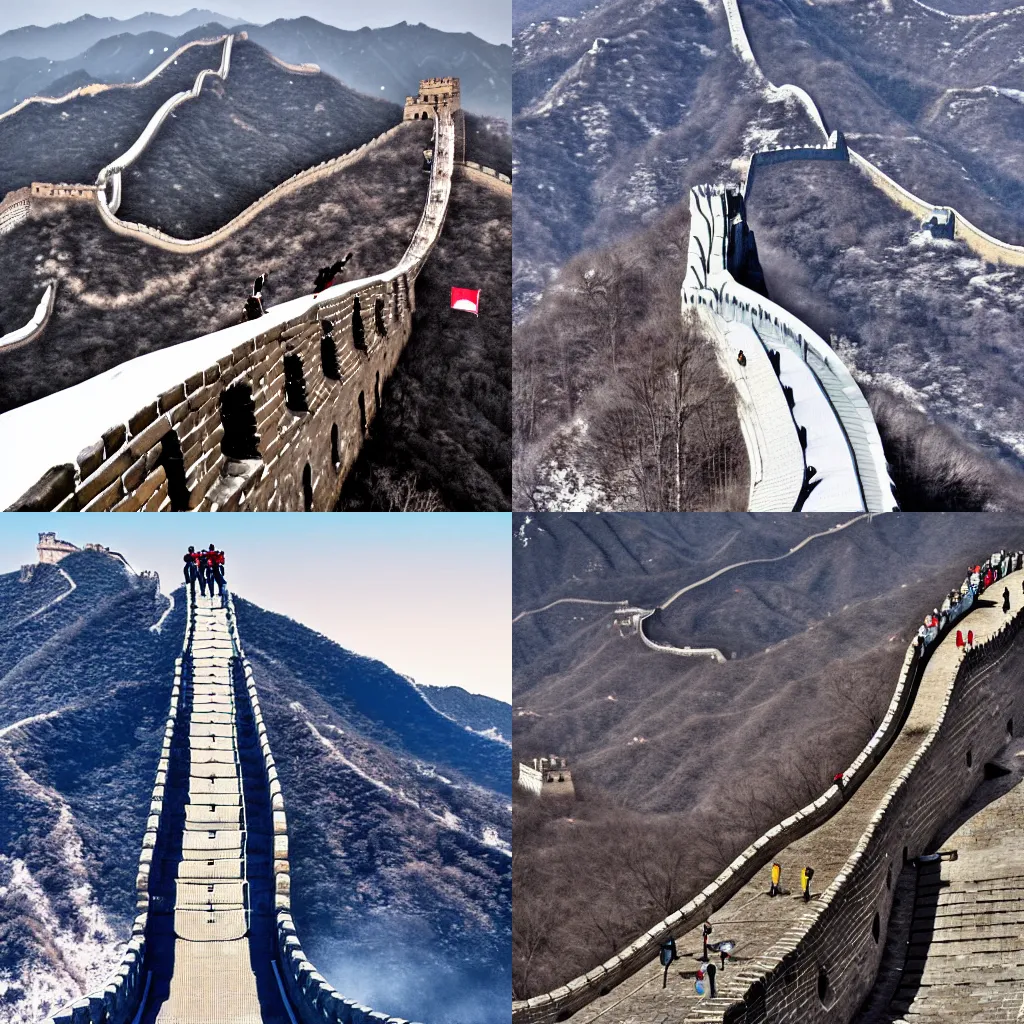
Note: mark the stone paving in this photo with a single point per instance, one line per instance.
(964, 961)
(755, 921)
(214, 968)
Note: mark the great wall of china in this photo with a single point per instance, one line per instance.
(214, 920)
(267, 415)
(810, 436)
(952, 710)
(811, 440)
(111, 174)
(980, 242)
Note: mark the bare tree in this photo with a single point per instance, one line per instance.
(393, 493)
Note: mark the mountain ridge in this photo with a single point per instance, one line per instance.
(84, 685)
(390, 68)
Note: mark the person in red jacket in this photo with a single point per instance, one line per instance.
(217, 576)
(204, 572)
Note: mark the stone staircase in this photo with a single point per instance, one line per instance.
(213, 896)
(964, 947)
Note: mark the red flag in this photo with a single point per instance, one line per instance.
(467, 299)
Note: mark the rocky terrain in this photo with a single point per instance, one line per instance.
(621, 109)
(398, 816)
(220, 152)
(678, 763)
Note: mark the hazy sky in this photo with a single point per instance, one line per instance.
(429, 594)
(489, 19)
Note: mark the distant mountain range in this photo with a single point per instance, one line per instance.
(386, 63)
(69, 38)
(398, 817)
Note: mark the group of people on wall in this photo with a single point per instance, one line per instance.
(206, 567)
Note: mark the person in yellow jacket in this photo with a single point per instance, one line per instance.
(805, 882)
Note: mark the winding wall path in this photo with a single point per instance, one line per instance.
(980, 242)
(214, 941)
(109, 442)
(824, 424)
(92, 90)
(36, 324)
(829, 833)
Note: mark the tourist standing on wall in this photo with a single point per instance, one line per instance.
(191, 568)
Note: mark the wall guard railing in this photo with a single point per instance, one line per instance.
(560, 1003)
(311, 995)
(118, 1000)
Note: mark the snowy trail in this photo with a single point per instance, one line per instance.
(28, 721)
(563, 600)
(158, 626)
(46, 607)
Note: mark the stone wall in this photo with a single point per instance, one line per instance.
(46, 190)
(283, 451)
(475, 172)
(36, 324)
(314, 1000)
(562, 1002)
(709, 283)
(834, 149)
(162, 240)
(14, 209)
(980, 242)
(138, 147)
(686, 652)
(826, 966)
(117, 1001)
(92, 90)
(530, 779)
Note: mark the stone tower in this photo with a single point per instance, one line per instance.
(434, 94)
(51, 550)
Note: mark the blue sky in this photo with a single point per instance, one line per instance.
(429, 594)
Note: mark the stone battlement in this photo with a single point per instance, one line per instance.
(45, 190)
(51, 549)
(434, 93)
(547, 776)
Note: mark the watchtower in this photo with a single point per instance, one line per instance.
(51, 549)
(548, 776)
(434, 94)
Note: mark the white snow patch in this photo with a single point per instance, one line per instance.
(491, 838)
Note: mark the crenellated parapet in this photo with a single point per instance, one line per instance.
(118, 1000)
(971, 720)
(435, 94)
(266, 415)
